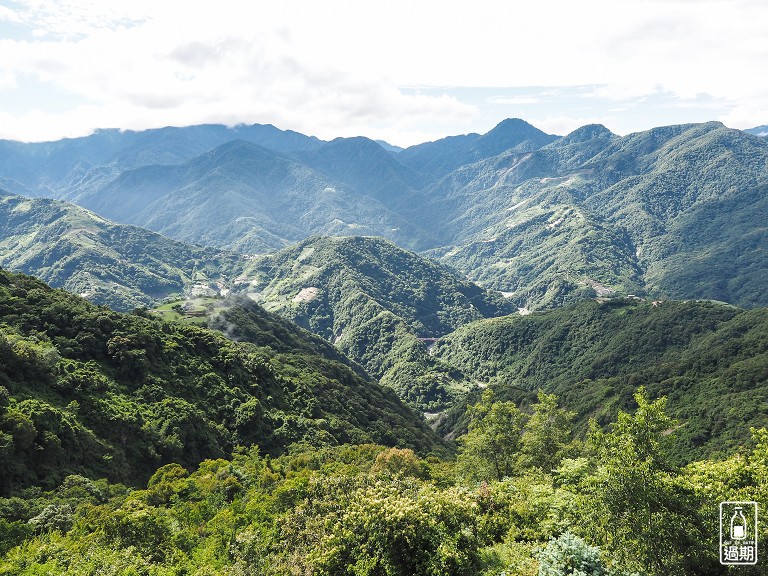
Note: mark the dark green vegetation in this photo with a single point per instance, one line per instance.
(88, 391)
(374, 300)
(710, 360)
(379, 296)
(613, 504)
(124, 267)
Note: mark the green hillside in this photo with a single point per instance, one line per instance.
(710, 360)
(93, 392)
(374, 300)
(261, 420)
(244, 197)
(232, 456)
(124, 267)
(673, 212)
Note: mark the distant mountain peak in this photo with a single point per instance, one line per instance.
(587, 133)
(517, 128)
(512, 133)
(514, 123)
(761, 131)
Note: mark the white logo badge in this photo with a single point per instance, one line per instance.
(738, 532)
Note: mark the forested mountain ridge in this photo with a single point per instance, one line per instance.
(676, 211)
(85, 390)
(245, 197)
(523, 496)
(371, 298)
(119, 265)
(374, 300)
(710, 360)
(663, 212)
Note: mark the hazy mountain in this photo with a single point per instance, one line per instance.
(761, 131)
(248, 198)
(373, 300)
(442, 156)
(363, 165)
(118, 265)
(59, 169)
(710, 360)
(84, 390)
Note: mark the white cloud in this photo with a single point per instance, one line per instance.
(333, 68)
(514, 100)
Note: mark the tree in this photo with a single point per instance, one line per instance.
(636, 508)
(569, 555)
(547, 434)
(491, 447)
(377, 527)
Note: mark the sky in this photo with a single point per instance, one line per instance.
(402, 71)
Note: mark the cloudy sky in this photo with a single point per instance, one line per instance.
(403, 71)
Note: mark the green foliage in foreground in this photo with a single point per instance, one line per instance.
(710, 360)
(615, 507)
(85, 390)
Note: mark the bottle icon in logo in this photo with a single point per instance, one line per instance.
(738, 533)
(738, 525)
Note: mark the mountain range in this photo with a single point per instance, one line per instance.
(674, 212)
(761, 131)
(54, 168)
(122, 266)
(318, 328)
(371, 298)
